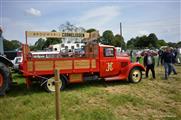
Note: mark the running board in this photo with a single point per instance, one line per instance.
(112, 78)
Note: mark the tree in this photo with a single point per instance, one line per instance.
(161, 43)
(33, 48)
(145, 41)
(108, 37)
(68, 27)
(178, 44)
(90, 30)
(141, 42)
(39, 44)
(152, 40)
(171, 44)
(16, 44)
(8, 46)
(11, 45)
(118, 41)
(130, 43)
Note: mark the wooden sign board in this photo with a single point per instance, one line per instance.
(56, 34)
(92, 36)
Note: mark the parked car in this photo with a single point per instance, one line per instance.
(16, 62)
(79, 52)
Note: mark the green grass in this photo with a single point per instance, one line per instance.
(150, 99)
(123, 99)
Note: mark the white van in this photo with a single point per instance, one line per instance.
(16, 62)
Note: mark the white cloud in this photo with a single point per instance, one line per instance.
(33, 12)
(100, 16)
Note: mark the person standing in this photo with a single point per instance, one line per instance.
(174, 53)
(131, 55)
(149, 63)
(138, 56)
(160, 52)
(167, 58)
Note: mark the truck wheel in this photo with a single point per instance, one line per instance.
(135, 75)
(50, 84)
(4, 79)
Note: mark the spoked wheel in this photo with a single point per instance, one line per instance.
(50, 84)
(135, 75)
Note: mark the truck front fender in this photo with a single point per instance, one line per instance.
(133, 65)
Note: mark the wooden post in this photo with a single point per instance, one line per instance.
(57, 93)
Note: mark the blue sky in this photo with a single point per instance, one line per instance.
(138, 17)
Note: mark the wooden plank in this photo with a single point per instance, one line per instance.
(81, 64)
(30, 66)
(93, 62)
(43, 65)
(63, 65)
(75, 78)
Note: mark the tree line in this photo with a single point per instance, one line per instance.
(150, 41)
(107, 38)
(11, 45)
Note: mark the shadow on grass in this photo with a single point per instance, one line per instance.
(19, 88)
(98, 84)
(35, 88)
(22, 90)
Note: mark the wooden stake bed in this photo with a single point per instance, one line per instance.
(71, 65)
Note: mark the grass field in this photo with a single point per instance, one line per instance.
(148, 100)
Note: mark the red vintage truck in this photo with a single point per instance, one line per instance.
(99, 63)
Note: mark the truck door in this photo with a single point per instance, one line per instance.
(109, 65)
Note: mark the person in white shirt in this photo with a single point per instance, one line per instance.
(149, 63)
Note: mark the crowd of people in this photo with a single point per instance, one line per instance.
(166, 57)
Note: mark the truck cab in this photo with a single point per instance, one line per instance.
(113, 67)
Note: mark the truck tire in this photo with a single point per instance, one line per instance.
(135, 75)
(4, 79)
(50, 84)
